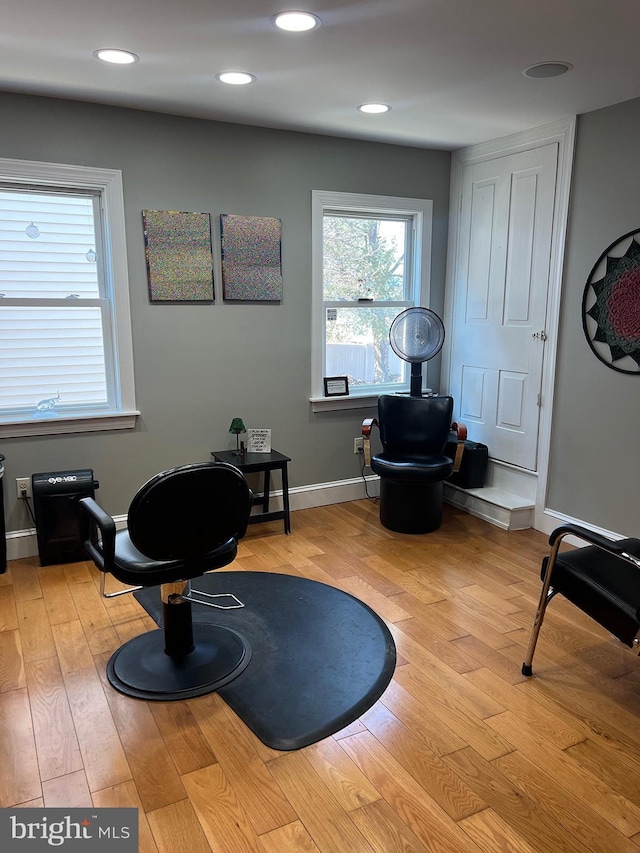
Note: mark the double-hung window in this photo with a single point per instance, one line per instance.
(371, 261)
(65, 335)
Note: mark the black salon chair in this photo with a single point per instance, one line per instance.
(182, 523)
(412, 465)
(601, 578)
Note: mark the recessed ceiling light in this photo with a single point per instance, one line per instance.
(541, 70)
(374, 108)
(235, 78)
(118, 57)
(296, 22)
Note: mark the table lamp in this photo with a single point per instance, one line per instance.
(236, 428)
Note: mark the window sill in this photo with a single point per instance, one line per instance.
(62, 425)
(334, 404)
(358, 401)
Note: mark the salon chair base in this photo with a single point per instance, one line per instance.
(141, 668)
(410, 507)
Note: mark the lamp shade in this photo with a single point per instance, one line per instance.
(237, 426)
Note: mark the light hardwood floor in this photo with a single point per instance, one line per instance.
(461, 754)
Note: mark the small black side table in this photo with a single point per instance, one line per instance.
(266, 463)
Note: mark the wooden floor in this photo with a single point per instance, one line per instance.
(461, 753)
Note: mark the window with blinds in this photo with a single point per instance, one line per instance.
(59, 351)
(51, 313)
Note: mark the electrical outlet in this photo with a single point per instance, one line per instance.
(358, 444)
(23, 487)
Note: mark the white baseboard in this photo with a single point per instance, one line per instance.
(552, 519)
(23, 543)
(505, 510)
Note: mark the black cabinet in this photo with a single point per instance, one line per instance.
(473, 467)
(55, 502)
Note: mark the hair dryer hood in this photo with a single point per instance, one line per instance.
(416, 335)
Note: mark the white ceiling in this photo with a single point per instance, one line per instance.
(450, 69)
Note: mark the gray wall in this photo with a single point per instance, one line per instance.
(595, 462)
(197, 366)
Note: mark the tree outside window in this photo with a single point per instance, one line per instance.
(364, 264)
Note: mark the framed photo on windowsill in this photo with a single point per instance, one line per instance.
(336, 386)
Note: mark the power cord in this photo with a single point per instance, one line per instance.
(364, 480)
(33, 518)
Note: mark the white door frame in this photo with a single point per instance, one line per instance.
(562, 132)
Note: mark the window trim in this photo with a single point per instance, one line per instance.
(325, 201)
(108, 183)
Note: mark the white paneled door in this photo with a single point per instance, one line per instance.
(498, 335)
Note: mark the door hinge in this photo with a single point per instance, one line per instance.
(539, 400)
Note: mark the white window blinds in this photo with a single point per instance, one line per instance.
(55, 315)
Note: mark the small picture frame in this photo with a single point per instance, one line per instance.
(336, 386)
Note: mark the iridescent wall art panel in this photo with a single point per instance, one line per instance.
(251, 258)
(179, 258)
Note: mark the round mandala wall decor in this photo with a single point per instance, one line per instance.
(611, 305)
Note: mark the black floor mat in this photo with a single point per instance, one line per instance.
(320, 656)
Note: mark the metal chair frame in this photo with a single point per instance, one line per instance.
(609, 546)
